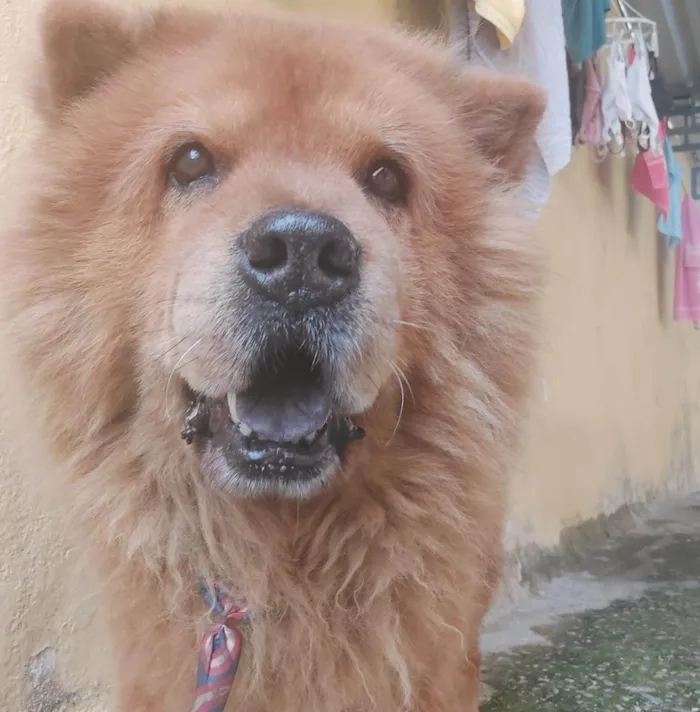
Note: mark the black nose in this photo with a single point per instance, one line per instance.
(301, 258)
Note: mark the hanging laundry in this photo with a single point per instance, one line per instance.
(660, 93)
(584, 27)
(591, 127)
(616, 106)
(577, 96)
(537, 53)
(639, 92)
(671, 225)
(505, 15)
(650, 178)
(686, 303)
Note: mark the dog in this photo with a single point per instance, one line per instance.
(270, 313)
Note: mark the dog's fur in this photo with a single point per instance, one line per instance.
(369, 594)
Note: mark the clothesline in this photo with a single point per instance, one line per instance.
(604, 90)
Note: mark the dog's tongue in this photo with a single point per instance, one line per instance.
(284, 412)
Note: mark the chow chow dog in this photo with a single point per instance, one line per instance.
(270, 312)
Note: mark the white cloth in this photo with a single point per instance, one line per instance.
(639, 92)
(615, 103)
(538, 53)
(619, 87)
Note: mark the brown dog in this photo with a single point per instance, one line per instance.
(274, 233)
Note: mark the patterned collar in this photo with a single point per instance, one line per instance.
(220, 649)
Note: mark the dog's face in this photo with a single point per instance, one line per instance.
(271, 200)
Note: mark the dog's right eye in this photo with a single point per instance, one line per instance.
(191, 163)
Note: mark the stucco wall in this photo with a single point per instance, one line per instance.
(614, 415)
(616, 410)
(48, 631)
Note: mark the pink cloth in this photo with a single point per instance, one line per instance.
(650, 178)
(686, 305)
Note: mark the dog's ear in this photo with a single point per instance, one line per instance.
(83, 41)
(501, 114)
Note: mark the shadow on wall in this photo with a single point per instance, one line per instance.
(633, 199)
(662, 260)
(606, 178)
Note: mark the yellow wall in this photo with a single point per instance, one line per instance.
(615, 415)
(41, 604)
(615, 411)
(370, 9)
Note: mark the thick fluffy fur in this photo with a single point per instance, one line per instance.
(369, 595)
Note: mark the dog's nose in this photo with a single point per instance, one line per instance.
(301, 258)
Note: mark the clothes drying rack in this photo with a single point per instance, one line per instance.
(629, 26)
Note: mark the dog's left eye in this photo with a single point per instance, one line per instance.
(387, 180)
(191, 163)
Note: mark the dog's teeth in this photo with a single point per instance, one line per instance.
(245, 430)
(231, 398)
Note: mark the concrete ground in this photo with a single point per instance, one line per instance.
(622, 634)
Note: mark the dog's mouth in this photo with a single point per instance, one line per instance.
(283, 431)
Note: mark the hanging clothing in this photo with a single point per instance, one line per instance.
(584, 27)
(591, 127)
(639, 92)
(577, 96)
(671, 224)
(650, 178)
(615, 103)
(686, 304)
(505, 15)
(537, 53)
(660, 93)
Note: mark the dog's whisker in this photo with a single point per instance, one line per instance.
(406, 381)
(403, 401)
(170, 301)
(187, 363)
(423, 327)
(370, 375)
(296, 523)
(172, 348)
(172, 374)
(221, 212)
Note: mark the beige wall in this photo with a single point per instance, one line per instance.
(616, 413)
(43, 607)
(615, 410)
(369, 9)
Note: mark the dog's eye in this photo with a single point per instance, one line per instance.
(191, 163)
(387, 180)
